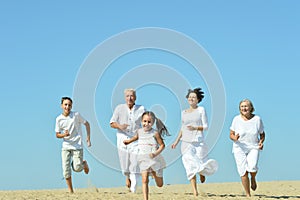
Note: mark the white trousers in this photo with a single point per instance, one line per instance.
(128, 155)
(246, 160)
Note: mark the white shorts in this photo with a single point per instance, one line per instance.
(246, 161)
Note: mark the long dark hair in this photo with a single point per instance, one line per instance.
(198, 92)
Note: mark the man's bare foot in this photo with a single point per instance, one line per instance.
(202, 178)
(128, 182)
(86, 167)
(253, 183)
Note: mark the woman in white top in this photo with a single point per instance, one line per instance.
(150, 145)
(247, 134)
(193, 148)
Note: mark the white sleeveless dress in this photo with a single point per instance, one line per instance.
(147, 144)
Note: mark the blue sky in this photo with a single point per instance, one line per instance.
(44, 45)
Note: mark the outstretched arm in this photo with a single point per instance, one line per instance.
(177, 140)
(160, 143)
(134, 138)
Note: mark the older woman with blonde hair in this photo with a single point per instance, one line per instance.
(247, 134)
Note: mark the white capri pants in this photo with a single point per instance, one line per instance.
(246, 161)
(72, 158)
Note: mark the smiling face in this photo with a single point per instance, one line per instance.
(246, 108)
(147, 122)
(130, 98)
(192, 99)
(66, 107)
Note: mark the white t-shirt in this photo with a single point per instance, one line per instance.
(248, 130)
(72, 123)
(196, 118)
(123, 115)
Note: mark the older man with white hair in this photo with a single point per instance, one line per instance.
(127, 119)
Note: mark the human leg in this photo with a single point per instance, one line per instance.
(128, 182)
(194, 185)
(252, 160)
(241, 161)
(69, 184)
(253, 181)
(133, 166)
(202, 178)
(123, 157)
(86, 168)
(133, 182)
(145, 182)
(159, 180)
(246, 184)
(78, 163)
(66, 162)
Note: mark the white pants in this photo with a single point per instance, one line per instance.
(128, 159)
(246, 160)
(71, 158)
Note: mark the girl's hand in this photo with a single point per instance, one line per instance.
(191, 128)
(152, 155)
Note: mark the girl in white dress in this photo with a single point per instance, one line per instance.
(247, 134)
(150, 145)
(193, 148)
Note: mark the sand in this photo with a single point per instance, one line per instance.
(266, 190)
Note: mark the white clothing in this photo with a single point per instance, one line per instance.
(128, 154)
(246, 161)
(72, 158)
(246, 148)
(193, 148)
(195, 159)
(147, 145)
(195, 118)
(123, 115)
(72, 123)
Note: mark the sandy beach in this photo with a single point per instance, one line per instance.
(265, 190)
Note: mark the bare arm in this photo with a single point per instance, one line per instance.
(261, 140)
(62, 135)
(194, 128)
(234, 137)
(122, 127)
(134, 138)
(88, 133)
(160, 143)
(177, 140)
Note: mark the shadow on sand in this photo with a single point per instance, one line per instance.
(256, 195)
